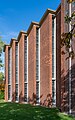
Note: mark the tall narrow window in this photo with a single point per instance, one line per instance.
(16, 70)
(66, 7)
(37, 66)
(66, 12)
(25, 71)
(54, 60)
(9, 74)
(73, 4)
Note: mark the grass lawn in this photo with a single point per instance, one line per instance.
(15, 111)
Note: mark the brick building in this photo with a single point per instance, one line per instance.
(35, 70)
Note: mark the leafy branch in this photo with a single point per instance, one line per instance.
(66, 38)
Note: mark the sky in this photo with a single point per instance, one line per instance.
(16, 15)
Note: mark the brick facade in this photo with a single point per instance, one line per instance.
(45, 89)
(64, 65)
(67, 92)
(32, 64)
(46, 60)
(58, 57)
(13, 68)
(6, 72)
(21, 66)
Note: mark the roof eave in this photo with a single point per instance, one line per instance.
(20, 33)
(31, 25)
(5, 47)
(45, 15)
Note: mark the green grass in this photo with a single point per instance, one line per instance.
(1, 100)
(15, 111)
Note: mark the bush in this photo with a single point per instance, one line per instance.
(1, 87)
(1, 91)
(1, 94)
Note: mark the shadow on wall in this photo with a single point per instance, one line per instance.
(65, 90)
(46, 102)
(13, 97)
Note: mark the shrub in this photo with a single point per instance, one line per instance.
(1, 94)
(1, 91)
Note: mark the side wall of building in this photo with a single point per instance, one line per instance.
(21, 68)
(73, 69)
(58, 58)
(13, 70)
(6, 73)
(67, 76)
(32, 65)
(73, 80)
(46, 61)
(65, 63)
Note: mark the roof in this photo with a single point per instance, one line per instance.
(45, 15)
(31, 25)
(13, 39)
(41, 21)
(58, 9)
(5, 47)
(20, 33)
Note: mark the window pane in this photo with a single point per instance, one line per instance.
(37, 54)
(37, 92)
(25, 92)
(16, 96)
(25, 59)
(9, 92)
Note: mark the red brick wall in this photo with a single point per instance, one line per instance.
(58, 59)
(32, 63)
(46, 60)
(73, 73)
(73, 80)
(64, 64)
(6, 73)
(13, 70)
(21, 68)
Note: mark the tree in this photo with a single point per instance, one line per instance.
(1, 63)
(1, 51)
(1, 76)
(1, 73)
(69, 36)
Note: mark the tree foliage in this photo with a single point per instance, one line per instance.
(1, 76)
(1, 45)
(69, 36)
(1, 52)
(1, 62)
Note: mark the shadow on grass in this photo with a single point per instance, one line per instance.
(15, 111)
